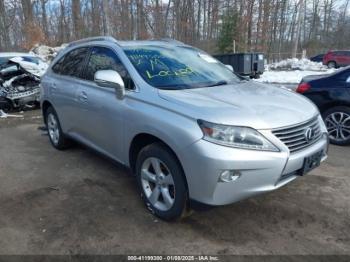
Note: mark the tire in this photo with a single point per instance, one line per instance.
(56, 136)
(337, 120)
(6, 105)
(161, 182)
(332, 64)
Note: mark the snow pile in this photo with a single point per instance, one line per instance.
(297, 64)
(291, 71)
(45, 52)
(288, 77)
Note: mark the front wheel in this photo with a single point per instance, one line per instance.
(161, 182)
(337, 121)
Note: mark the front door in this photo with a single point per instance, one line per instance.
(102, 113)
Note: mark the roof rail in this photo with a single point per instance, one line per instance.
(170, 40)
(91, 39)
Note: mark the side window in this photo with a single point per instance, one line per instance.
(103, 58)
(72, 63)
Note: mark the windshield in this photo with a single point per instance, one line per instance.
(178, 67)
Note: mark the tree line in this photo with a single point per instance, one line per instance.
(278, 28)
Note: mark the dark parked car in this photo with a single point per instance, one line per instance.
(331, 94)
(317, 58)
(334, 59)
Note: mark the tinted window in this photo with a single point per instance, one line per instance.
(102, 58)
(342, 53)
(72, 63)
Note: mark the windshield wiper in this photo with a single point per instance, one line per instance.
(220, 83)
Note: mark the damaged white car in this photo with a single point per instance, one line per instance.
(19, 81)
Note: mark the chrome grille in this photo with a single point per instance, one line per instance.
(295, 137)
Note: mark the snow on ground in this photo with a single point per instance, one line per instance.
(46, 53)
(291, 71)
(5, 115)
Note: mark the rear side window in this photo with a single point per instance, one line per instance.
(72, 63)
(103, 58)
(342, 53)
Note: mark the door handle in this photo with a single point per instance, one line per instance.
(54, 86)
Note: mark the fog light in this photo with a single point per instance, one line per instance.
(229, 176)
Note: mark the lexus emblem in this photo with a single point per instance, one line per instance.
(309, 134)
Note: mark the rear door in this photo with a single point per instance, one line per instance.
(341, 57)
(63, 87)
(339, 89)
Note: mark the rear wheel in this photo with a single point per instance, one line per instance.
(332, 64)
(57, 137)
(161, 182)
(337, 121)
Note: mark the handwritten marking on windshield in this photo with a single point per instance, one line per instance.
(165, 73)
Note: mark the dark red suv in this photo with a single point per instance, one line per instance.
(335, 59)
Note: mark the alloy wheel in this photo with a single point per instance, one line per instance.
(158, 183)
(53, 128)
(338, 126)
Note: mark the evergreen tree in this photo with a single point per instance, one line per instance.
(228, 31)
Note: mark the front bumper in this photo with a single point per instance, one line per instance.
(260, 171)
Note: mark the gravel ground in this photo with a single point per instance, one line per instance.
(78, 202)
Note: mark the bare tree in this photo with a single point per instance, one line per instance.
(297, 32)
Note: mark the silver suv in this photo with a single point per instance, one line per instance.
(187, 126)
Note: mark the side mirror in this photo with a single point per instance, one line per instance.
(229, 67)
(111, 79)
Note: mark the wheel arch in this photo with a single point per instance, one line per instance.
(331, 105)
(141, 140)
(45, 105)
(332, 61)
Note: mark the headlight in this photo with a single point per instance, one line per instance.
(235, 136)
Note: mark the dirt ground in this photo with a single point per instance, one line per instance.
(78, 202)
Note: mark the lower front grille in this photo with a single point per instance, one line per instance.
(299, 136)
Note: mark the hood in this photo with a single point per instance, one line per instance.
(245, 104)
(36, 69)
